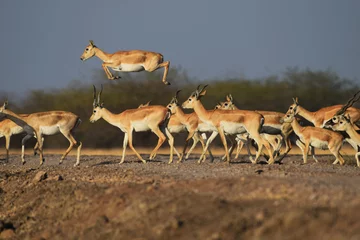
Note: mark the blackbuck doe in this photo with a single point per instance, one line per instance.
(227, 122)
(153, 117)
(9, 128)
(273, 130)
(316, 137)
(343, 123)
(46, 123)
(127, 61)
(181, 121)
(321, 117)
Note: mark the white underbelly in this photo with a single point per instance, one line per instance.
(49, 130)
(204, 127)
(16, 130)
(124, 67)
(176, 128)
(319, 144)
(232, 127)
(140, 126)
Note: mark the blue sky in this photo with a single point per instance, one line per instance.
(41, 41)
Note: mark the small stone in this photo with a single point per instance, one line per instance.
(56, 178)
(8, 233)
(40, 176)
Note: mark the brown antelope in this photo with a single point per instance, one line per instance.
(321, 117)
(228, 122)
(343, 123)
(7, 129)
(127, 61)
(47, 123)
(317, 138)
(154, 118)
(180, 121)
(272, 129)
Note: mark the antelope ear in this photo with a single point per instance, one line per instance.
(92, 43)
(201, 94)
(101, 105)
(347, 118)
(5, 104)
(229, 98)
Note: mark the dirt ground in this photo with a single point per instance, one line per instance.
(101, 199)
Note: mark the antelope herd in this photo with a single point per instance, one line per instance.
(267, 131)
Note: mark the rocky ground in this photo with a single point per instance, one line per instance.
(101, 199)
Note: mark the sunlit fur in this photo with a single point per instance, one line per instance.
(192, 124)
(272, 119)
(127, 61)
(50, 123)
(150, 118)
(321, 116)
(345, 124)
(228, 122)
(317, 137)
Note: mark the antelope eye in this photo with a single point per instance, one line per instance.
(169, 106)
(226, 104)
(94, 111)
(290, 107)
(288, 115)
(189, 99)
(341, 122)
(86, 49)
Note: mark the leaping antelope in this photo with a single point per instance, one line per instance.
(127, 61)
(153, 117)
(46, 123)
(228, 122)
(316, 137)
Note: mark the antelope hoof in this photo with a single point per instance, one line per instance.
(167, 83)
(117, 77)
(144, 161)
(76, 164)
(35, 153)
(60, 162)
(23, 162)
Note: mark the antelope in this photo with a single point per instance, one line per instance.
(46, 123)
(321, 117)
(127, 61)
(272, 130)
(228, 122)
(316, 137)
(154, 118)
(7, 129)
(180, 121)
(343, 123)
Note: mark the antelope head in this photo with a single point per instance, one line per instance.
(336, 118)
(97, 106)
(89, 51)
(174, 103)
(288, 118)
(342, 123)
(194, 97)
(293, 107)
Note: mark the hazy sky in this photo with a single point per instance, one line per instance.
(41, 41)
